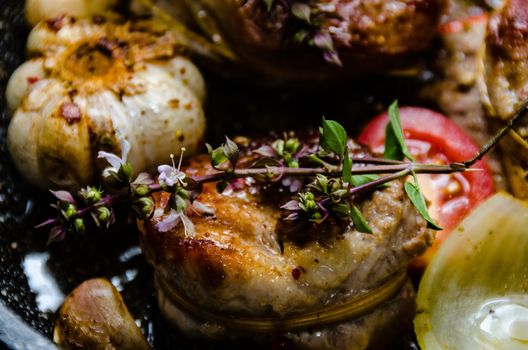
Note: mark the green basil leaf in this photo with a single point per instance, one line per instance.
(392, 146)
(221, 186)
(358, 180)
(269, 3)
(347, 168)
(359, 221)
(395, 147)
(333, 137)
(321, 183)
(218, 155)
(418, 200)
(302, 11)
(231, 151)
(341, 210)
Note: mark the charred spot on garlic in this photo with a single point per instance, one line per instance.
(71, 112)
(56, 23)
(101, 78)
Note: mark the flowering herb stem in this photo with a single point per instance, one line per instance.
(326, 190)
(521, 113)
(334, 171)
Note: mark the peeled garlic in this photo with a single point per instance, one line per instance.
(474, 294)
(38, 10)
(94, 316)
(91, 82)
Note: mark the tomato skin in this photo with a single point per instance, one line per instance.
(448, 139)
(461, 25)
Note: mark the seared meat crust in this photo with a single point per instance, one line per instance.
(505, 63)
(237, 264)
(370, 35)
(391, 27)
(503, 84)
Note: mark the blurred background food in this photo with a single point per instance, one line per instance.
(504, 83)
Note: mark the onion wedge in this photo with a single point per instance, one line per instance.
(474, 294)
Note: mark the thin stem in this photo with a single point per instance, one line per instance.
(374, 160)
(108, 201)
(284, 171)
(505, 130)
(382, 180)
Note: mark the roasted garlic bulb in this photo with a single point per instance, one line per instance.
(93, 82)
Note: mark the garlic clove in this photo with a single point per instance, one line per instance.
(48, 139)
(23, 77)
(183, 69)
(39, 10)
(24, 129)
(24, 126)
(474, 294)
(57, 35)
(94, 316)
(64, 150)
(164, 117)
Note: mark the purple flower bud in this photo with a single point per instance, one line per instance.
(292, 217)
(64, 196)
(57, 233)
(292, 205)
(143, 179)
(323, 40)
(266, 151)
(294, 184)
(332, 57)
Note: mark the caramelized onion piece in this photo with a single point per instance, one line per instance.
(474, 294)
(94, 316)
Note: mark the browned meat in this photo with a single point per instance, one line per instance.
(455, 92)
(369, 35)
(506, 59)
(237, 263)
(504, 85)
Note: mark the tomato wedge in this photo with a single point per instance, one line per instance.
(433, 138)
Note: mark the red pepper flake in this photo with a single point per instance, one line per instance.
(56, 23)
(32, 79)
(71, 112)
(297, 271)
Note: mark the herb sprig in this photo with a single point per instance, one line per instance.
(331, 181)
(308, 20)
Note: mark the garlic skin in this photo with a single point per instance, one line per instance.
(90, 83)
(38, 10)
